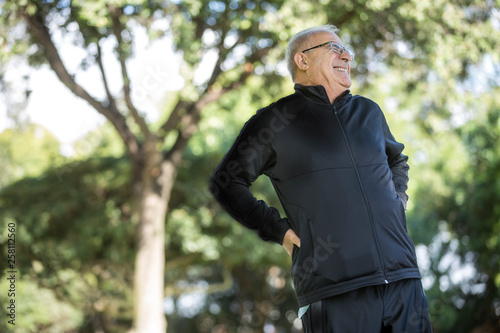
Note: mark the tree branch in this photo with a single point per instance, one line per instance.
(174, 118)
(117, 31)
(222, 57)
(111, 100)
(41, 32)
(192, 117)
(176, 115)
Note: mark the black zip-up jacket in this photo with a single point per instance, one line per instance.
(341, 178)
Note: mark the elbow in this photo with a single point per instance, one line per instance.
(213, 185)
(219, 181)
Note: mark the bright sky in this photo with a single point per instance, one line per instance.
(153, 71)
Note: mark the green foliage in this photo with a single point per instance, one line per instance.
(27, 151)
(38, 309)
(66, 221)
(102, 142)
(76, 253)
(474, 212)
(460, 194)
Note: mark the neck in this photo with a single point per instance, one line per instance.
(332, 92)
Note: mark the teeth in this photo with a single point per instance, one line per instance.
(340, 69)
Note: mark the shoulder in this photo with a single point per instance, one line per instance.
(365, 101)
(272, 119)
(283, 109)
(368, 105)
(284, 102)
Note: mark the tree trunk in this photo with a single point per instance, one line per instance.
(153, 188)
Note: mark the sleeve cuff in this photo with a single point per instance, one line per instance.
(404, 198)
(284, 227)
(276, 232)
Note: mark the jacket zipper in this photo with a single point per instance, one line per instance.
(362, 191)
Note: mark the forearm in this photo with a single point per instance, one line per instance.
(235, 197)
(398, 162)
(399, 167)
(243, 164)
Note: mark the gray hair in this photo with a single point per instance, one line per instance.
(297, 41)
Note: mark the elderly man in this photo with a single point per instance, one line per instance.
(341, 178)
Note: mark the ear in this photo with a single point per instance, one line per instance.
(301, 61)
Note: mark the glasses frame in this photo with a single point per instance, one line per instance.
(334, 47)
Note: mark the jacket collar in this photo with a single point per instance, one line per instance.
(318, 94)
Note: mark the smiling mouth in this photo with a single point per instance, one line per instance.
(340, 69)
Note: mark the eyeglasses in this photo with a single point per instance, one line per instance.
(335, 48)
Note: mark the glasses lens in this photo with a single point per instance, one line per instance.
(351, 53)
(337, 48)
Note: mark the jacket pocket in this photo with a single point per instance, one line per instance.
(344, 245)
(303, 261)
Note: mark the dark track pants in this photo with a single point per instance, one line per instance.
(398, 307)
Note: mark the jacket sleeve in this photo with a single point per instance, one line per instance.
(251, 155)
(397, 162)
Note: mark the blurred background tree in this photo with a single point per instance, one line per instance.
(18, 143)
(82, 224)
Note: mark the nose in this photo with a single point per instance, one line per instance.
(345, 56)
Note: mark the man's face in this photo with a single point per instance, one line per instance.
(327, 68)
